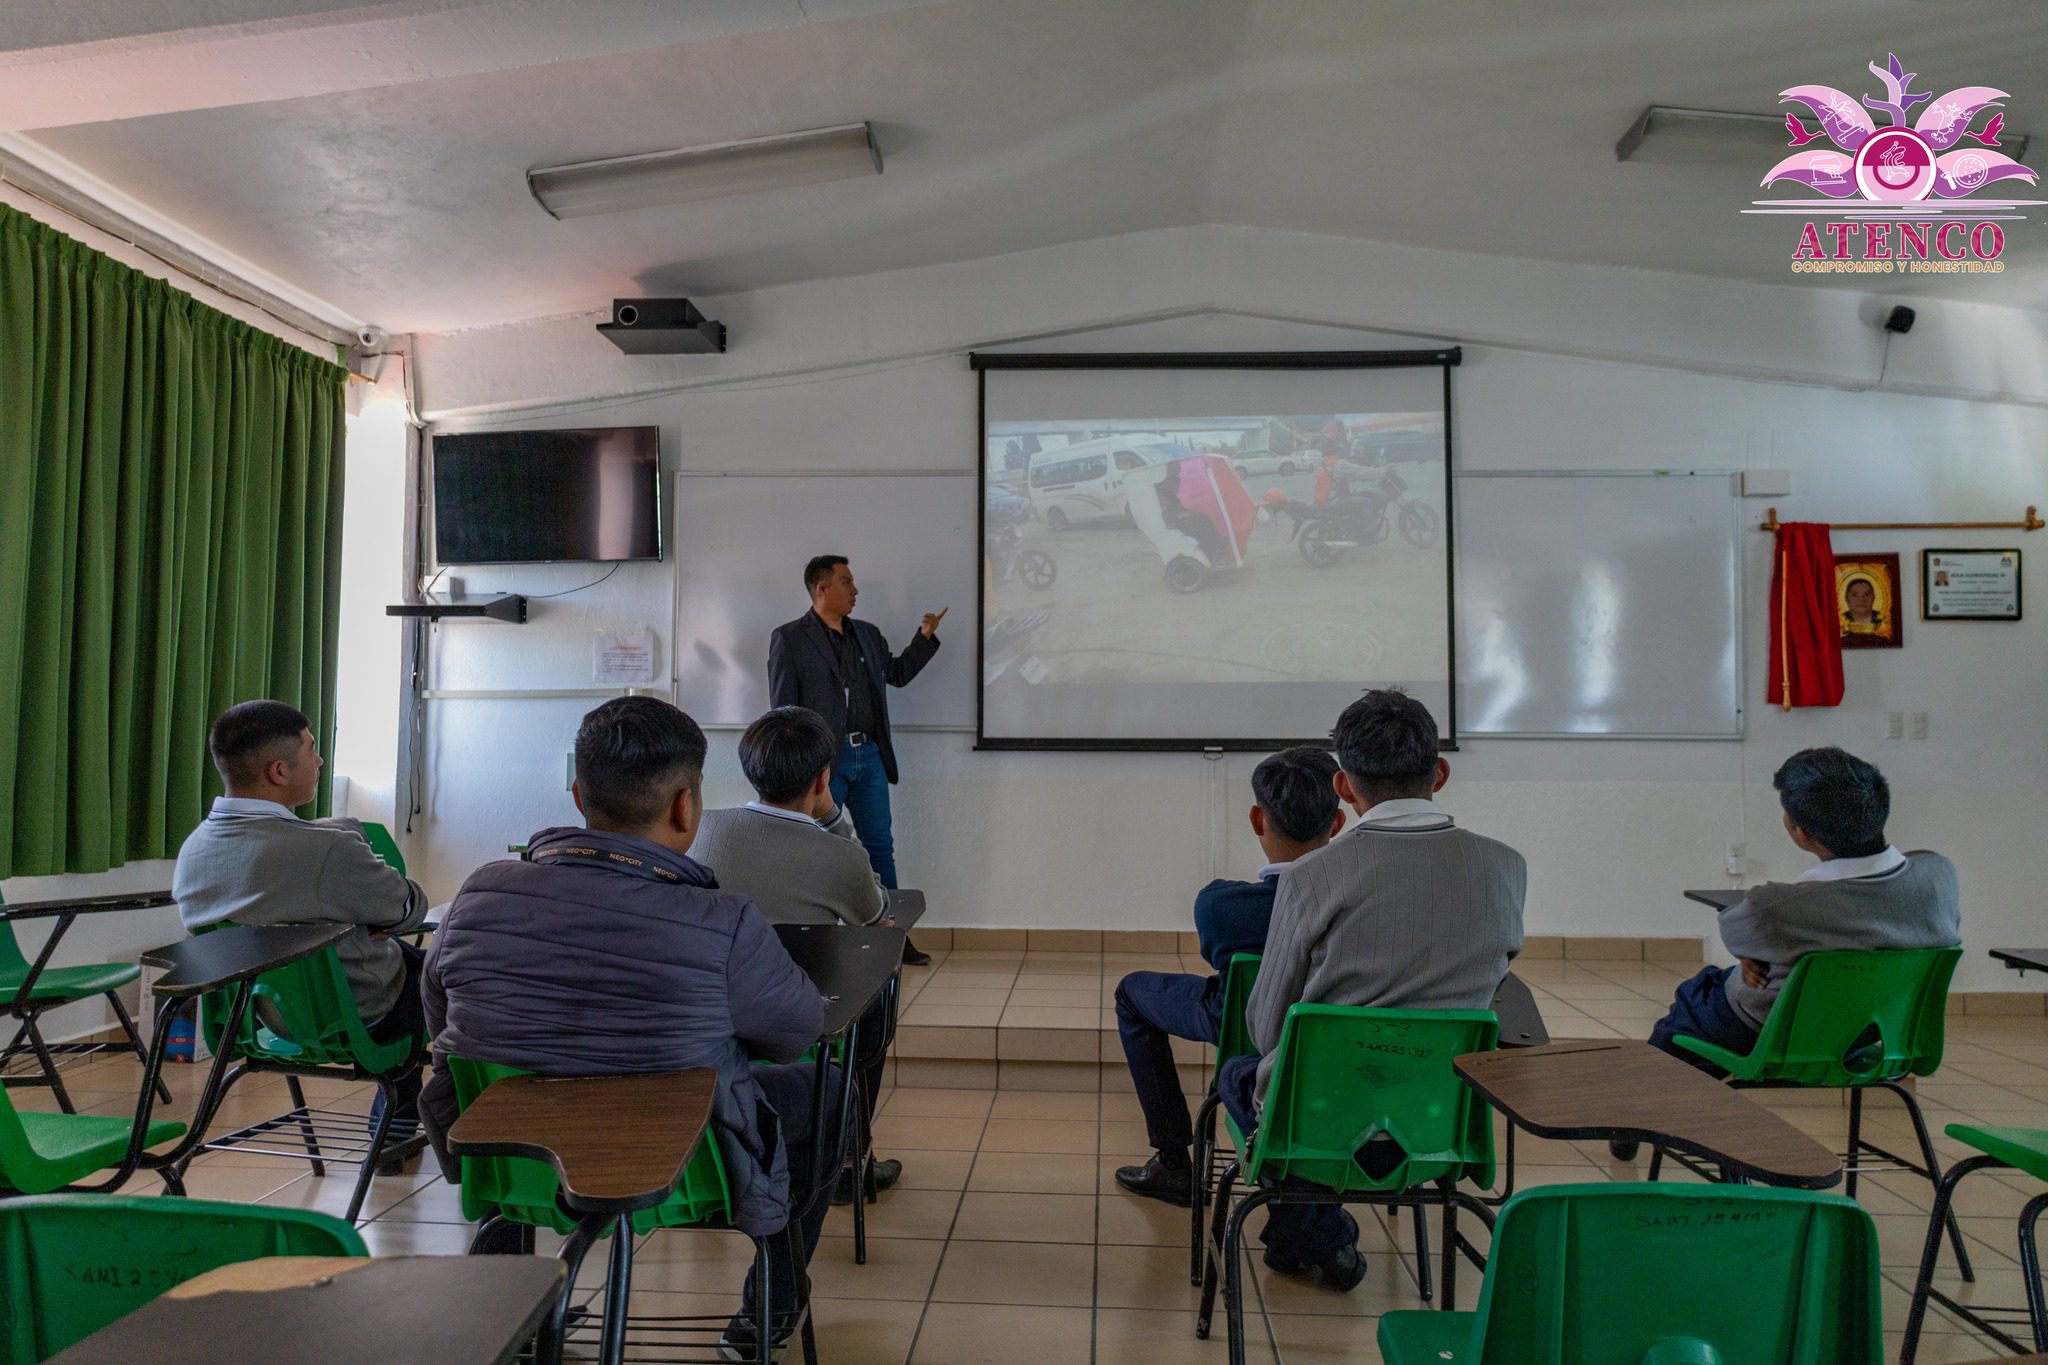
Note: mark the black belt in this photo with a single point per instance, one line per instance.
(856, 738)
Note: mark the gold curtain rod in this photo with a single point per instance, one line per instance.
(2033, 522)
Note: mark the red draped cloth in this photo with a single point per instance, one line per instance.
(1806, 637)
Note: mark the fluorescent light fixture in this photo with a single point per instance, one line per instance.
(617, 184)
(1666, 135)
(1689, 135)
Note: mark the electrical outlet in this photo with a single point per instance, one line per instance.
(1919, 724)
(1736, 860)
(1895, 725)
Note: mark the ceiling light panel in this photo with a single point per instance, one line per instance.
(623, 183)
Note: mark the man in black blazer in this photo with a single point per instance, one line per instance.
(841, 668)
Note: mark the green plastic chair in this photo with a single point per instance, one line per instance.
(302, 1021)
(44, 1152)
(2015, 1149)
(1621, 1274)
(1234, 1040)
(1851, 1020)
(1344, 1076)
(55, 988)
(383, 845)
(72, 1263)
(524, 1191)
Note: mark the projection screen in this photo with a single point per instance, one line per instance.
(1192, 551)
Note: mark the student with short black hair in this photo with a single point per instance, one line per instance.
(793, 850)
(254, 861)
(1294, 812)
(611, 950)
(1403, 911)
(1863, 893)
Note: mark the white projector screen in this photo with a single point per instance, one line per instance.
(1211, 551)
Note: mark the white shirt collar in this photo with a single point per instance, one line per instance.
(252, 806)
(1408, 812)
(1272, 870)
(763, 808)
(1844, 869)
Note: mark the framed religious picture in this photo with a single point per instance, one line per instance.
(1969, 585)
(1867, 602)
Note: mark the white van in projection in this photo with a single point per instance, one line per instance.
(1085, 481)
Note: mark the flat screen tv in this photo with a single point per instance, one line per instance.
(529, 497)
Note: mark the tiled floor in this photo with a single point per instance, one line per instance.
(1009, 1242)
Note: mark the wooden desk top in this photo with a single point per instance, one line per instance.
(1622, 1089)
(849, 966)
(1521, 1023)
(453, 1310)
(619, 1143)
(209, 961)
(2023, 960)
(1720, 898)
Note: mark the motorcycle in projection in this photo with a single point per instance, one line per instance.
(1007, 555)
(1356, 518)
(1008, 559)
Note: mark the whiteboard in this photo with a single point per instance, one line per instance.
(740, 546)
(1599, 604)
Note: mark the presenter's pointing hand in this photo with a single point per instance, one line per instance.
(931, 622)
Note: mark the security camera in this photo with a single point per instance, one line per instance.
(368, 337)
(1900, 320)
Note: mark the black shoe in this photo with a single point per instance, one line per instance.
(742, 1341)
(398, 1153)
(913, 956)
(1623, 1149)
(1342, 1272)
(881, 1174)
(1157, 1180)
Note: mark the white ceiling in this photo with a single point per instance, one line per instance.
(374, 155)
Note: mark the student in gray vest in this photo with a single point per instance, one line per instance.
(1863, 893)
(254, 861)
(1403, 911)
(793, 850)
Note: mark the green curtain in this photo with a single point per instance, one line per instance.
(170, 543)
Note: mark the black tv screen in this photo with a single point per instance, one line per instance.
(525, 497)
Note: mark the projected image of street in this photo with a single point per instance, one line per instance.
(1140, 570)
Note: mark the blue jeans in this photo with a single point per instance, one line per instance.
(1152, 1008)
(1700, 1009)
(1309, 1232)
(860, 785)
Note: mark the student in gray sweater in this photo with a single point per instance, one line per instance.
(792, 850)
(1403, 911)
(254, 861)
(1863, 893)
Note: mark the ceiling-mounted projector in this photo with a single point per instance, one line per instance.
(662, 327)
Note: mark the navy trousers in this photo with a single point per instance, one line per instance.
(1151, 1009)
(788, 1090)
(1308, 1232)
(1700, 1009)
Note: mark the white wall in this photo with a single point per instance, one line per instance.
(1565, 367)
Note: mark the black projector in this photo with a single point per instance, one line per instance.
(662, 327)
